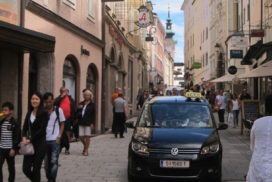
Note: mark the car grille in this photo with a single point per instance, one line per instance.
(175, 172)
(168, 150)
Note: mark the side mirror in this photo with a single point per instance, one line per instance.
(222, 126)
(131, 123)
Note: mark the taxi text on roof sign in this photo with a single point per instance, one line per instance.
(193, 95)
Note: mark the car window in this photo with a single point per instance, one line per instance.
(181, 116)
(145, 120)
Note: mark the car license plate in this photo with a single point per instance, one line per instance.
(174, 164)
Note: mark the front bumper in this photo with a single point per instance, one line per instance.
(201, 167)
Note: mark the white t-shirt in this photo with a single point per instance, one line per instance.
(50, 136)
(235, 104)
(220, 100)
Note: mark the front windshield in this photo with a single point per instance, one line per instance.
(176, 116)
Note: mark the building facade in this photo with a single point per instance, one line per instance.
(125, 62)
(71, 55)
(197, 47)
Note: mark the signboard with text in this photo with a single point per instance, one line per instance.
(236, 54)
(143, 18)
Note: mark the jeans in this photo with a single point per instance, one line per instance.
(32, 163)
(4, 155)
(51, 160)
(235, 114)
(221, 115)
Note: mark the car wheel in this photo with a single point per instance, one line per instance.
(218, 178)
(132, 178)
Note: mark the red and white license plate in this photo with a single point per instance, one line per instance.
(174, 164)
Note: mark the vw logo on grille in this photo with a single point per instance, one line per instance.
(174, 151)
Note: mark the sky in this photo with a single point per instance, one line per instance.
(161, 8)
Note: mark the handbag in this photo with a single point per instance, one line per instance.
(27, 148)
(216, 108)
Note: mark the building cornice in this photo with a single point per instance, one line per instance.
(60, 21)
(111, 21)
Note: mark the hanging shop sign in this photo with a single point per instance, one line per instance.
(144, 17)
(232, 70)
(239, 42)
(257, 33)
(196, 65)
(236, 54)
(115, 35)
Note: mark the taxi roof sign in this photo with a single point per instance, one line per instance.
(193, 95)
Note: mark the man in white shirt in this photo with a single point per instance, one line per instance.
(260, 144)
(221, 102)
(54, 132)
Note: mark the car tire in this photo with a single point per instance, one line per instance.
(218, 178)
(132, 178)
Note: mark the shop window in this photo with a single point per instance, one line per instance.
(91, 80)
(33, 75)
(69, 77)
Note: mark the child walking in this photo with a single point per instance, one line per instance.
(9, 140)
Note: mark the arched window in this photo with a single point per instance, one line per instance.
(120, 62)
(69, 77)
(112, 55)
(91, 80)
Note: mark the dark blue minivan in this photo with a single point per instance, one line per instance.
(175, 138)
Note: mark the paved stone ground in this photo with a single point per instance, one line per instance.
(108, 160)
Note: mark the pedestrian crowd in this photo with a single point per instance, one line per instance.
(48, 127)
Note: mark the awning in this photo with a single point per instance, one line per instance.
(225, 78)
(263, 70)
(25, 39)
(252, 53)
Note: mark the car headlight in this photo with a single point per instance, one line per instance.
(139, 148)
(212, 149)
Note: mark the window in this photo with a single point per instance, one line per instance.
(91, 10)
(71, 3)
(248, 12)
(207, 33)
(177, 116)
(207, 58)
(244, 18)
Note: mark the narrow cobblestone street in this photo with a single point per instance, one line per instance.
(107, 161)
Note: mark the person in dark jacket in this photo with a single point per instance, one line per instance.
(10, 137)
(142, 99)
(34, 131)
(86, 120)
(67, 104)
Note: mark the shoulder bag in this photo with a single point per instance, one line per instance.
(27, 148)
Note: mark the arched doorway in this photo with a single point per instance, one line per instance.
(70, 76)
(33, 75)
(91, 82)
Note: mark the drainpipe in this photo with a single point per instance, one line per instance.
(103, 94)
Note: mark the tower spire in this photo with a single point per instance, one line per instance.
(169, 32)
(168, 11)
